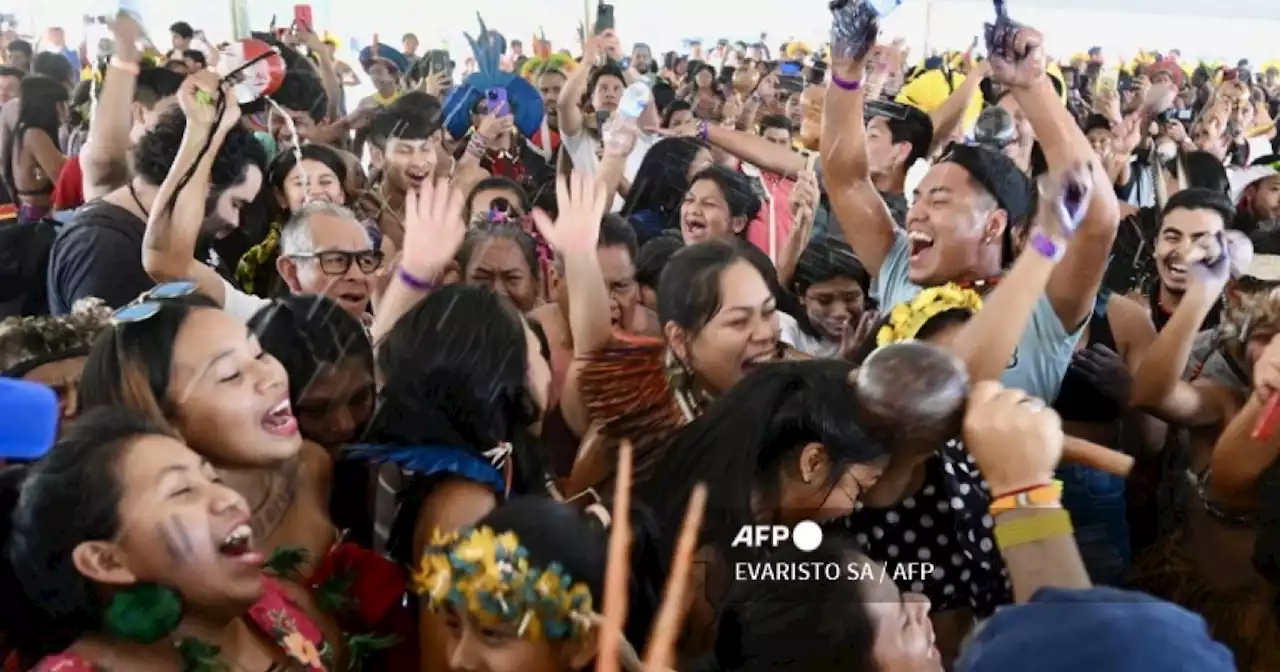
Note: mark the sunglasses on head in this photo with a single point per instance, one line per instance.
(151, 301)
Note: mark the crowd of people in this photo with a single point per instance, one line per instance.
(492, 369)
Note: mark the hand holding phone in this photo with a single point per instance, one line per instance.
(497, 100)
(604, 18)
(302, 17)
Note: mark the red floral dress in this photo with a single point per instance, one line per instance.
(273, 614)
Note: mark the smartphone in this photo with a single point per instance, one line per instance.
(302, 17)
(439, 61)
(791, 83)
(790, 68)
(604, 17)
(497, 100)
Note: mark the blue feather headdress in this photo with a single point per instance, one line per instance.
(525, 101)
(493, 468)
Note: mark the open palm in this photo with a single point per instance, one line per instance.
(433, 228)
(577, 229)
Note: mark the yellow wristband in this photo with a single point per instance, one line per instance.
(1049, 495)
(1035, 528)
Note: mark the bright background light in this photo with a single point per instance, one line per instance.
(1236, 29)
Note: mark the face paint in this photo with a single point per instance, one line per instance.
(177, 541)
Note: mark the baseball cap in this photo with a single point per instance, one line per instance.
(998, 175)
(1095, 629)
(31, 419)
(1243, 178)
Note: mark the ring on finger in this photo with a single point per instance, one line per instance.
(1033, 404)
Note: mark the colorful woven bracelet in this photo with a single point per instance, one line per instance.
(1040, 496)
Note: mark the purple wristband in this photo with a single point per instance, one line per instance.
(702, 131)
(1047, 247)
(414, 283)
(845, 84)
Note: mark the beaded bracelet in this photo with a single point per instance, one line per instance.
(1039, 527)
(415, 283)
(477, 146)
(845, 84)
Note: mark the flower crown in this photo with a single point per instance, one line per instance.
(488, 575)
(907, 318)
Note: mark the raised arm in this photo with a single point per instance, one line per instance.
(102, 159)
(988, 340)
(1017, 443)
(569, 104)
(433, 233)
(855, 203)
(168, 246)
(575, 236)
(1238, 457)
(1017, 62)
(1157, 385)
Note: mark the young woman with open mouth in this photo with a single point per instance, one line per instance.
(126, 550)
(175, 356)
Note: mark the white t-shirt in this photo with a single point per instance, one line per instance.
(582, 150)
(242, 306)
(795, 337)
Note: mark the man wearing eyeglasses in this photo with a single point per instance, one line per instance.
(323, 250)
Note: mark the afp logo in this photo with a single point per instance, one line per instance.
(806, 535)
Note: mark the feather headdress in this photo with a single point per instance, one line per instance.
(524, 100)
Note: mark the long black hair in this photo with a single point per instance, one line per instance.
(38, 102)
(131, 363)
(662, 179)
(284, 163)
(739, 455)
(819, 624)
(306, 332)
(47, 509)
(455, 368)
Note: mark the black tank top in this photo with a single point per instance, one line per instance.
(1078, 399)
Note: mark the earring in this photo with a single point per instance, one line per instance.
(143, 613)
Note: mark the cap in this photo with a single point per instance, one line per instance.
(1096, 629)
(998, 174)
(31, 419)
(1243, 178)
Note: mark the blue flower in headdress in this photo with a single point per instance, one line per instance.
(525, 101)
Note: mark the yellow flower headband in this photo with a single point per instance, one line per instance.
(488, 575)
(907, 318)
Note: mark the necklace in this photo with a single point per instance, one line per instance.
(133, 191)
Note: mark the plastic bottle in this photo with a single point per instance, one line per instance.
(634, 100)
(883, 7)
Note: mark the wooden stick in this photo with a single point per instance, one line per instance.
(617, 567)
(666, 628)
(1090, 454)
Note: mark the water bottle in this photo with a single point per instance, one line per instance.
(634, 100)
(883, 7)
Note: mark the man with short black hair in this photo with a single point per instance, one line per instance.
(99, 252)
(10, 82)
(20, 54)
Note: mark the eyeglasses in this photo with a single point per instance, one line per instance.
(149, 302)
(336, 262)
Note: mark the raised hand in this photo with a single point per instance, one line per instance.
(1016, 51)
(433, 228)
(1106, 370)
(1064, 200)
(854, 26)
(804, 198)
(1015, 438)
(198, 97)
(1209, 266)
(577, 229)
(855, 336)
